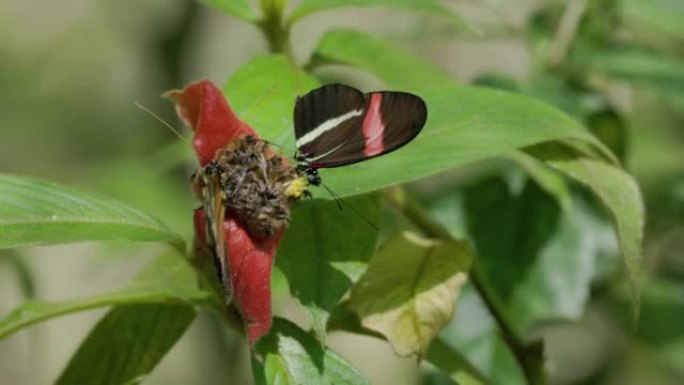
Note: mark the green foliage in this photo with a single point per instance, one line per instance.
(395, 66)
(639, 66)
(618, 192)
(319, 264)
(308, 7)
(450, 362)
(557, 285)
(289, 355)
(531, 213)
(237, 8)
(263, 92)
(535, 232)
(410, 289)
(22, 271)
(168, 280)
(127, 344)
(35, 212)
(661, 15)
(549, 180)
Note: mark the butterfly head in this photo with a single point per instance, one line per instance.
(312, 177)
(307, 170)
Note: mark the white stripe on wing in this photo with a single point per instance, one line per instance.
(326, 126)
(315, 158)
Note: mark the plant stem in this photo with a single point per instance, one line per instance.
(565, 33)
(277, 32)
(528, 355)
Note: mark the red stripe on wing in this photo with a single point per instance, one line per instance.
(374, 127)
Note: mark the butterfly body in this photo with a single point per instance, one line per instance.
(304, 168)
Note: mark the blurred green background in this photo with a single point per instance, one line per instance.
(71, 71)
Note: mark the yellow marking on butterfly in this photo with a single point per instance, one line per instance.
(296, 188)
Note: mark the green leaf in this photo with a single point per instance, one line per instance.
(290, 356)
(237, 8)
(464, 125)
(168, 280)
(307, 7)
(452, 363)
(127, 344)
(611, 129)
(663, 301)
(22, 270)
(558, 285)
(550, 180)
(326, 250)
(619, 193)
(396, 67)
(476, 335)
(263, 94)
(672, 353)
(163, 195)
(409, 291)
(640, 67)
(560, 92)
(509, 242)
(34, 212)
(439, 354)
(660, 15)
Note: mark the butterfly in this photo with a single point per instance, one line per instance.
(336, 125)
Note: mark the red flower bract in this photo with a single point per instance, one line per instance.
(250, 269)
(203, 107)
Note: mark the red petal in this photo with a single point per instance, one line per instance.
(251, 260)
(203, 107)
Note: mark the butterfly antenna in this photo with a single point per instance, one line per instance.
(339, 200)
(336, 197)
(162, 121)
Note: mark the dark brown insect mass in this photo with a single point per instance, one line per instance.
(257, 186)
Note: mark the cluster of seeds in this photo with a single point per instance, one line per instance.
(256, 185)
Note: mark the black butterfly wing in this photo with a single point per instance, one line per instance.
(326, 117)
(336, 125)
